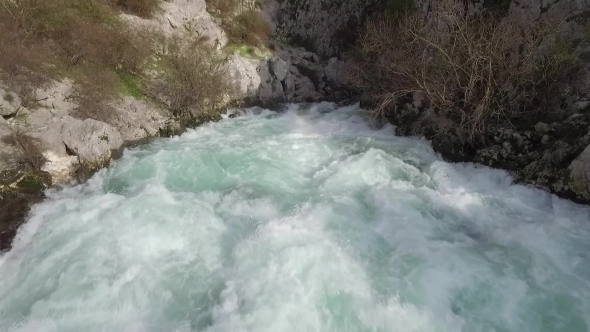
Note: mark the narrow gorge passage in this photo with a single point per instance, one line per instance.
(308, 220)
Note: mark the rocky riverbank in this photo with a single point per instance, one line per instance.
(550, 152)
(60, 146)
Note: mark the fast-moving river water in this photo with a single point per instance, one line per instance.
(308, 220)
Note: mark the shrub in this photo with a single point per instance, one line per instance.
(141, 8)
(30, 155)
(223, 8)
(249, 27)
(471, 67)
(80, 39)
(192, 81)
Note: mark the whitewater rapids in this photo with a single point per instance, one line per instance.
(307, 220)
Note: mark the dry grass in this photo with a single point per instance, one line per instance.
(248, 27)
(80, 39)
(223, 8)
(141, 8)
(473, 68)
(85, 41)
(242, 22)
(193, 81)
(30, 155)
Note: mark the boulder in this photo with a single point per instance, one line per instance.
(60, 168)
(50, 138)
(337, 73)
(304, 89)
(10, 103)
(278, 68)
(138, 119)
(244, 76)
(542, 128)
(91, 140)
(578, 175)
(271, 90)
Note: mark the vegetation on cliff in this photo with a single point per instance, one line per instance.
(242, 21)
(474, 67)
(88, 42)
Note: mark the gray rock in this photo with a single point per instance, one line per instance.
(304, 90)
(271, 90)
(244, 76)
(552, 8)
(10, 102)
(92, 141)
(51, 138)
(546, 139)
(3, 122)
(8, 152)
(278, 68)
(325, 26)
(578, 178)
(542, 127)
(337, 73)
(290, 86)
(519, 140)
(192, 16)
(138, 119)
(39, 119)
(189, 17)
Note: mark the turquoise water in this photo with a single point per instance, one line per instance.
(309, 220)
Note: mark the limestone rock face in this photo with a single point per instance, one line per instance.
(560, 8)
(271, 90)
(192, 16)
(183, 16)
(326, 27)
(244, 76)
(92, 141)
(278, 67)
(138, 119)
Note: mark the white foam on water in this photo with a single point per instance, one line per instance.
(311, 219)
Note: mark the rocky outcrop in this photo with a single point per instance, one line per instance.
(91, 140)
(326, 27)
(244, 76)
(69, 144)
(559, 8)
(139, 119)
(183, 16)
(296, 75)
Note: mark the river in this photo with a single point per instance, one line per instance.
(306, 220)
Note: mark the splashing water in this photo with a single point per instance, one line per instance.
(304, 221)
